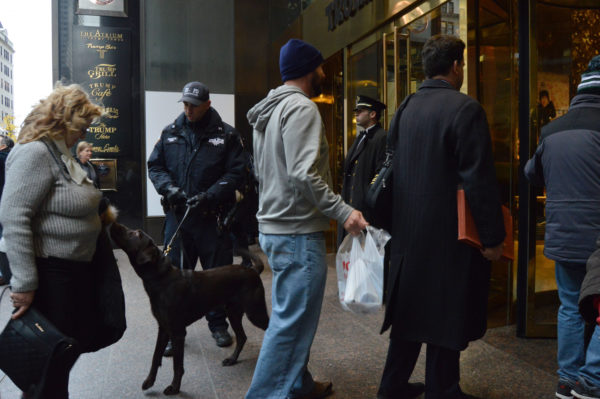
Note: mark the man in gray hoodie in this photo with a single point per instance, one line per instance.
(296, 201)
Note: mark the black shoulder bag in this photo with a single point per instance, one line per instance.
(381, 186)
(28, 347)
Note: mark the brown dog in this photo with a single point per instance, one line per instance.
(179, 298)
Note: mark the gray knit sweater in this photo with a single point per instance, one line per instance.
(45, 213)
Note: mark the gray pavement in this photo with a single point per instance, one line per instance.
(347, 349)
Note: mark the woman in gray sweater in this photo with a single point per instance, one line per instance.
(49, 211)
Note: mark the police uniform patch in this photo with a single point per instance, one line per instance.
(217, 141)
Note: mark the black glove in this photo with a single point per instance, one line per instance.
(198, 201)
(175, 196)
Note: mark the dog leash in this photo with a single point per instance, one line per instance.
(168, 248)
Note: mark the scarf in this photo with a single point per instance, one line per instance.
(78, 175)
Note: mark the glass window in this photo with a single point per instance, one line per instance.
(566, 38)
(192, 41)
(364, 78)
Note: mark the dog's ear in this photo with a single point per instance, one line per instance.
(146, 255)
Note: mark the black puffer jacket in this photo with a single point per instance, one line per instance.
(567, 162)
(212, 163)
(590, 288)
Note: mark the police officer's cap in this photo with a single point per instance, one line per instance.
(194, 93)
(368, 103)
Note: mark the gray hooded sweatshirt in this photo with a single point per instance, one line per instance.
(292, 165)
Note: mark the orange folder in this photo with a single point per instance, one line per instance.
(467, 232)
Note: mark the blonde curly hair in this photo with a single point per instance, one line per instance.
(67, 110)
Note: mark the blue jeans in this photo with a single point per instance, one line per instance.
(573, 359)
(299, 275)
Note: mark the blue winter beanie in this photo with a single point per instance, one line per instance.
(298, 58)
(590, 79)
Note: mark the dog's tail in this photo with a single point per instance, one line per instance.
(108, 214)
(257, 263)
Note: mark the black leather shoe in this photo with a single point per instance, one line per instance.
(168, 349)
(223, 338)
(320, 390)
(412, 390)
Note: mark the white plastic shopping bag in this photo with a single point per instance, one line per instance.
(359, 265)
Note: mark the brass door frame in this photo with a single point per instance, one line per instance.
(399, 39)
(532, 327)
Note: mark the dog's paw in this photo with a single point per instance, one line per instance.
(171, 390)
(229, 362)
(148, 383)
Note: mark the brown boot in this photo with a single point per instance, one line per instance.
(319, 391)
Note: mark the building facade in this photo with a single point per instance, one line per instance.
(515, 49)
(6, 75)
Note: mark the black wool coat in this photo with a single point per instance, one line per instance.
(590, 288)
(364, 160)
(438, 287)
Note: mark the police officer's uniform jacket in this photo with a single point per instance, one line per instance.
(364, 159)
(209, 159)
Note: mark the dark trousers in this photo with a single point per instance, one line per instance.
(239, 239)
(442, 374)
(200, 240)
(63, 296)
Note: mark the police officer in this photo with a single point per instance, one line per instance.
(198, 163)
(364, 159)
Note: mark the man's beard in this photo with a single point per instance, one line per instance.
(316, 85)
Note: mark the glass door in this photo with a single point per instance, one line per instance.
(564, 37)
(331, 107)
(396, 63)
(364, 77)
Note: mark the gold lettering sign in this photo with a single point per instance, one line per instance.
(101, 49)
(101, 131)
(103, 71)
(114, 37)
(100, 93)
(106, 148)
(101, 62)
(111, 113)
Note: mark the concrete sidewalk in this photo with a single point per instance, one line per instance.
(347, 349)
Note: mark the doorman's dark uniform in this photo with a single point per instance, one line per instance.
(364, 159)
(204, 156)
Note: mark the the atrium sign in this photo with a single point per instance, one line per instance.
(338, 11)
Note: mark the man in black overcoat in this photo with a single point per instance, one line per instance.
(364, 159)
(438, 287)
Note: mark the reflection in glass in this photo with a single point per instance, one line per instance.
(364, 78)
(567, 37)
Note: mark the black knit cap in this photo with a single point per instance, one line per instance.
(590, 79)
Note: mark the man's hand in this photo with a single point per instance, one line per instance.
(493, 253)
(355, 223)
(198, 200)
(22, 301)
(176, 196)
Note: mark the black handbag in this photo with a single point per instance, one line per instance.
(109, 323)
(380, 190)
(29, 346)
